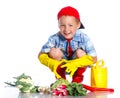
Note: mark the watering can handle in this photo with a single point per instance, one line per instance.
(100, 63)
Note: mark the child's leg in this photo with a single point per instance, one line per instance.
(61, 71)
(80, 53)
(78, 76)
(57, 54)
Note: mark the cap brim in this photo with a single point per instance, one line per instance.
(82, 27)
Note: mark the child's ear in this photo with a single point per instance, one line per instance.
(78, 26)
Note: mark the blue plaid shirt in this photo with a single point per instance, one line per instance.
(80, 40)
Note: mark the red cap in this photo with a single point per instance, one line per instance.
(70, 11)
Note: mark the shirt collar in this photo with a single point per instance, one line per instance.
(61, 36)
(77, 35)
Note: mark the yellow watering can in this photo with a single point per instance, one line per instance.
(99, 75)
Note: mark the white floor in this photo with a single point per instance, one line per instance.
(13, 92)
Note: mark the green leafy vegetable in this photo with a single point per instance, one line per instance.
(24, 83)
(58, 83)
(76, 89)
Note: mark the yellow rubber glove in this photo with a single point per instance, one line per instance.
(73, 65)
(51, 63)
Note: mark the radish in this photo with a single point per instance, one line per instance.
(61, 94)
(56, 93)
(60, 91)
(63, 86)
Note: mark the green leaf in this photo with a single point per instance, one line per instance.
(34, 89)
(58, 83)
(23, 84)
(22, 76)
(24, 89)
(70, 90)
(9, 83)
(76, 89)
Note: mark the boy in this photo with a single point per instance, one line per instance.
(70, 50)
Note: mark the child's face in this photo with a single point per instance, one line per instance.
(68, 26)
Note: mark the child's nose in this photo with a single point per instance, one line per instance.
(66, 29)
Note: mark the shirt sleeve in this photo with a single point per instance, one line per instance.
(89, 46)
(49, 44)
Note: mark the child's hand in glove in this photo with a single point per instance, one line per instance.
(72, 65)
(51, 63)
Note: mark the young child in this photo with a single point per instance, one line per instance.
(69, 50)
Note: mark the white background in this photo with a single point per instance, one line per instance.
(25, 26)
